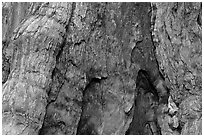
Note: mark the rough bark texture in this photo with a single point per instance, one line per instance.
(178, 38)
(101, 68)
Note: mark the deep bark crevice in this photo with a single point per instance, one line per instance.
(140, 116)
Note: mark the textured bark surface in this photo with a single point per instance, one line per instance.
(101, 68)
(33, 50)
(178, 38)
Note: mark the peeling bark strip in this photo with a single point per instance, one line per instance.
(101, 68)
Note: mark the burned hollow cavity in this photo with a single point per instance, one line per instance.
(145, 104)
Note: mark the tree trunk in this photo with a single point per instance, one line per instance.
(101, 68)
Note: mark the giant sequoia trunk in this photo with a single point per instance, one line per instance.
(101, 68)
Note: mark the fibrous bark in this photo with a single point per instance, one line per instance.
(33, 49)
(101, 68)
(178, 40)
